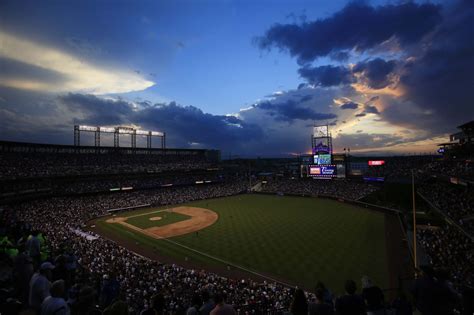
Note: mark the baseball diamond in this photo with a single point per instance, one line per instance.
(294, 240)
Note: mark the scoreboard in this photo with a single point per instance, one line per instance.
(322, 159)
(322, 171)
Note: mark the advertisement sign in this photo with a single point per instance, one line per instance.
(322, 170)
(376, 163)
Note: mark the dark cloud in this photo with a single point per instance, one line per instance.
(306, 98)
(376, 72)
(89, 109)
(349, 105)
(183, 124)
(369, 109)
(339, 56)
(357, 26)
(441, 80)
(290, 110)
(17, 70)
(326, 75)
(301, 85)
(361, 140)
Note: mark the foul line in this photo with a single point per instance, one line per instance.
(228, 263)
(139, 215)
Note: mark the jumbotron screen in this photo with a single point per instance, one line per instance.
(322, 159)
(322, 170)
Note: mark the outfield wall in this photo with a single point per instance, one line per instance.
(352, 202)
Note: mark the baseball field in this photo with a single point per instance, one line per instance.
(294, 240)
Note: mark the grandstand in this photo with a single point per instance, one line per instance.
(127, 224)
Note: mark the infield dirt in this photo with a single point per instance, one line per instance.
(200, 218)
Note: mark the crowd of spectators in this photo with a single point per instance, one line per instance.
(345, 189)
(54, 269)
(51, 265)
(457, 168)
(450, 249)
(27, 165)
(456, 201)
(398, 168)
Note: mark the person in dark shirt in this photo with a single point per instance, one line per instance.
(320, 307)
(401, 305)
(350, 303)
(373, 296)
(424, 291)
(299, 305)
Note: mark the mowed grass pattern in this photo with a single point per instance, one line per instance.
(296, 239)
(143, 221)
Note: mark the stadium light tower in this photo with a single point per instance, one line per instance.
(117, 131)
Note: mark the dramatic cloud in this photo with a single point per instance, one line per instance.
(48, 65)
(361, 140)
(440, 81)
(376, 73)
(289, 111)
(395, 75)
(420, 60)
(326, 75)
(349, 105)
(358, 26)
(183, 124)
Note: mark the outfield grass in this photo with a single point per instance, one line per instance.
(300, 240)
(143, 220)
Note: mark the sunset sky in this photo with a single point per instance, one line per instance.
(248, 77)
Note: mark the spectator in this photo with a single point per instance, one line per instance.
(424, 291)
(55, 303)
(110, 290)
(328, 298)
(320, 306)
(195, 305)
(23, 271)
(350, 303)
(208, 305)
(401, 305)
(299, 305)
(221, 307)
(40, 285)
(33, 246)
(373, 297)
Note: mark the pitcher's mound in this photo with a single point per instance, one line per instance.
(155, 218)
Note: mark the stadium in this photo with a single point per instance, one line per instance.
(236, 157)
(169, 223)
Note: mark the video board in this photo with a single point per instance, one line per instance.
(322, 159)
(322, 170)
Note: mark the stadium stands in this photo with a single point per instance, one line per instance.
(101, 276)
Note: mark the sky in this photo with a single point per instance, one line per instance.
(250, 78)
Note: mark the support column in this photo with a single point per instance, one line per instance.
(97, 137)
(116, 138)
(77, 136)
(148, 141)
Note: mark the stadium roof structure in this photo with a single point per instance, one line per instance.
(468, 125)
